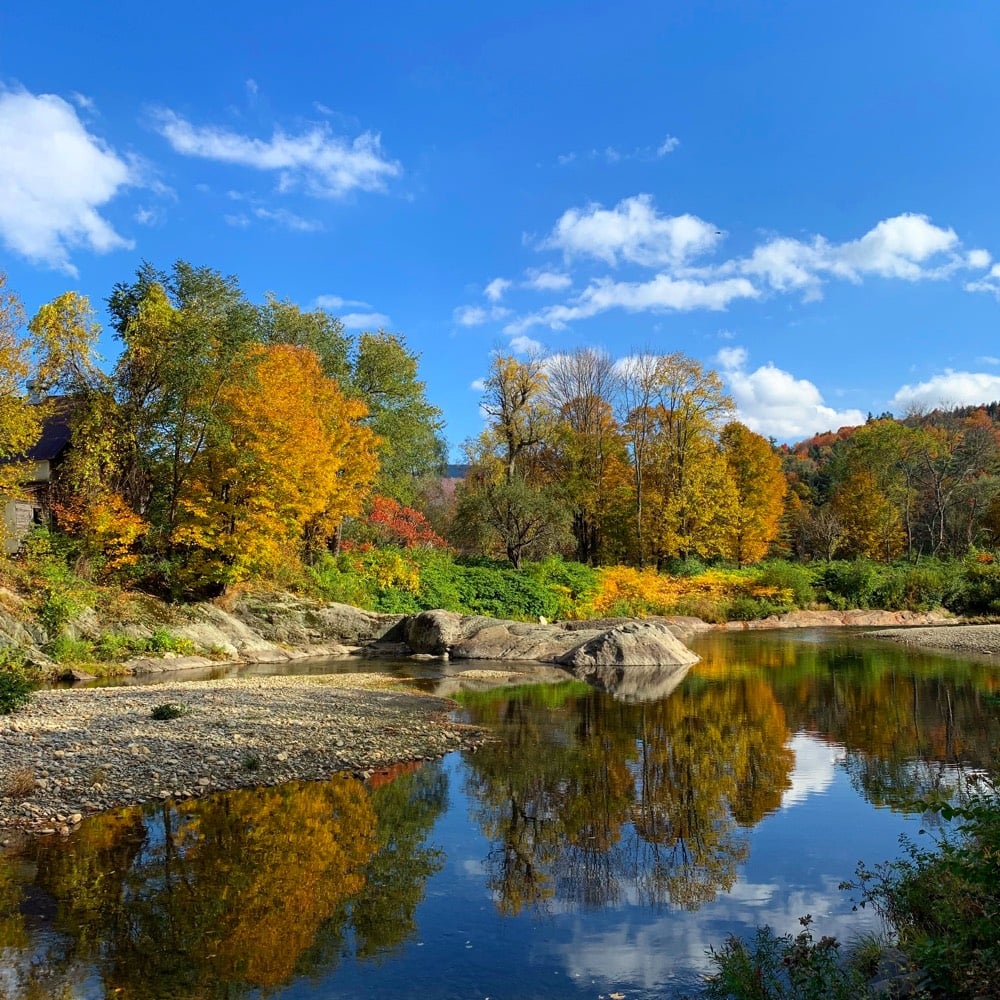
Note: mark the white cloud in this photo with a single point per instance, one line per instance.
(54, 178)
(494, 291)
(774, 403)
(632, 231)
(978, 258)
(668, 145)
(907, 246)
(83, 102)
(988, 359)
(145, 216)
(288, 220)
(478, 385)
(525, 345)
(548, 281)
(478, 315)
(949, 389)
(252, 88)
(335, 302)
(239, 221)
(365, 321)
(323, 164)
(660, 294)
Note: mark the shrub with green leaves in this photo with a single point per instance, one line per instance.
(943, 901)
(168, 710)
(16, 686)
(783, 967)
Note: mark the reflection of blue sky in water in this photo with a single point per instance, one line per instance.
(797, 858)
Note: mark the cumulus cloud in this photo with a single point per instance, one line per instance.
(632, 231)
(365, 321)
(525, 345)
(774, 403)
(948, 389)
(908, 247)
(673, 270)
(478, 385)
(322, 164)
(815, 768)
(55, 176)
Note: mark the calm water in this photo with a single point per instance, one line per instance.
(599, 846)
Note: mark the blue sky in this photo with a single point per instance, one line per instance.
(800, 195)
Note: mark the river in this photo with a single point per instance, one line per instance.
(598, 846)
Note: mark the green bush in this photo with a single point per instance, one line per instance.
(977, 592)
(745, 609)
(504, 593)
(65, 649)
(795, 578)
(944, 901)
(16, 686)
(569, 582)
(168, 710)
(164, 641)
(858, 584)
(774, 967)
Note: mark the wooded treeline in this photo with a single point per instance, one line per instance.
(235, 441)
(229, 441)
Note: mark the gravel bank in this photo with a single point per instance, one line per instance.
(982, 639)
(71, 753)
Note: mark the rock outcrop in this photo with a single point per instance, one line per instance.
(574, 645)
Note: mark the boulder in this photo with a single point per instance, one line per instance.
(432, 632)
(634, 643)
(288, 620)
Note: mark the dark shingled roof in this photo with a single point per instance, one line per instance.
(55, 435)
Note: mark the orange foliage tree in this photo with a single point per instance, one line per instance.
(755, 472)
(293, 461)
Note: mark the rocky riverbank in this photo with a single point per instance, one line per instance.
(983, 640)
(73, 753)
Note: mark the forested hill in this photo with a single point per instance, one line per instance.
(928, 484)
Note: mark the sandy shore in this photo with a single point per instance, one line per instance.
(71, 753)
(982, 639)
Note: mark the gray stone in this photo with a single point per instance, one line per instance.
(638, 642)
(432, 632)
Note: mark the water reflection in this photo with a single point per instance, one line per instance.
(641, 830)
(244, 891)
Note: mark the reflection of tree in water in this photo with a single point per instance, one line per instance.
(595, 800)
(912, 723)
(243, 891)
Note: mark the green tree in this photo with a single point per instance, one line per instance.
(408, 427)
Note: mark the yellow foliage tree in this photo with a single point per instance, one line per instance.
(760, 486)
(20, 422)
(294, 460)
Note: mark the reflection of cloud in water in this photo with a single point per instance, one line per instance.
(815, 767)
(667, 949)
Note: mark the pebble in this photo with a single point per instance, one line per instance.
(348, 722)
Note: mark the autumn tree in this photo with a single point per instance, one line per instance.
(586, 450)
(291, 460)
(183, 336)
(760, 485)
(87, 496)
(20, 422)
(506, 498)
